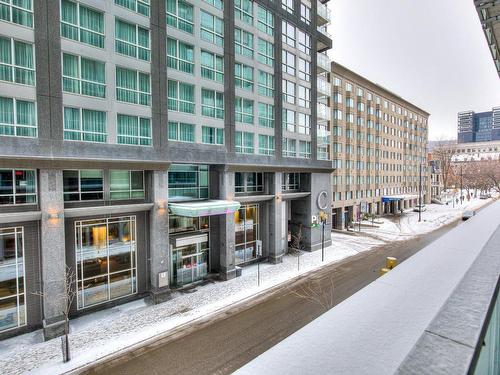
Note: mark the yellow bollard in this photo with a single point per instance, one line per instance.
(391, 262)
(383, 271)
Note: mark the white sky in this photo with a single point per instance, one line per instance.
(432, 53)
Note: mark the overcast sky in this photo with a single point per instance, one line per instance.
(433, 53)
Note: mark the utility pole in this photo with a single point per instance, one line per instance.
(461, 183)
(420, 194)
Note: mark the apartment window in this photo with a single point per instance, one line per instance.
(180, 97)
(17, 117)
(305, 14)
(212, 136)
(249, 182)
(180, 131)
(288, 33)
(266, 144)
(180, 15)
(133, 130)
(83, 185)
(17, 186)
(212, 66)
(244, 110)
(246, 221)
(16, 11)
(132, 40)
(180, 56)
(12, 274)
(348, 87)
(304, 42)
(288, 5)
(83, 76)
(187, 182)
(266, 84)
(349, 102)
(288, 62)
(212, 103)
(289, 148)
(244, 142)
(304, 97)
(289, 120)
(288, 88)
(84, 125)
(219, 4)
(360, 92)
(243, 10)
(337, 97)
(212, 28)
(126, 184)
(133, 86)
(243, 76)
(82, 23)
(265, 52)
(266, 115)
(265, 20)
(304, 123)
(304, 149)
(304, 70)
(337, 114)
(290, 181)
(106, 258)
(361, 106)
(17, 61)
(243, 43)
(138, 6)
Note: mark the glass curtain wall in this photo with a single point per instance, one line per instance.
(12, 284)
(106, 260)
(187, 182)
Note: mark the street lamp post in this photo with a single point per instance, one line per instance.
(420, 194)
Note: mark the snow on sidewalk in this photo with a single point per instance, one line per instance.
(102, 333)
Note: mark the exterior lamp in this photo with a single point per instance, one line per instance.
(55, 215)
(161, 205)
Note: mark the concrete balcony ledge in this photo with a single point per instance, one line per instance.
(426, 316)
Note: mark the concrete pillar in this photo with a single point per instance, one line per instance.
(159, 258)
(53, 252)
(226, 228)
(276, 235)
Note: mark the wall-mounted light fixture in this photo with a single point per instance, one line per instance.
(55, 215)
(161, 205)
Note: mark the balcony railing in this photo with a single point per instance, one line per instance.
(324, 14)
(323, 111)
(324, 62)
(324, 87)
(323, 30)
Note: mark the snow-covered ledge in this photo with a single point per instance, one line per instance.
(424, 317)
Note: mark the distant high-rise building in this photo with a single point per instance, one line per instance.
(479, 127)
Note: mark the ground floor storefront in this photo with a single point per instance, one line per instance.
(144, 234)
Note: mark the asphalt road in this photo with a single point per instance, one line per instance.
(222, 346)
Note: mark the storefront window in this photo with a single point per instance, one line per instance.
(187, 181)
(12, 287)
(190, 263)
(83, 185)
(17, 186)
(126, 184)
(106, 259)
(246, 221)
(179, 224)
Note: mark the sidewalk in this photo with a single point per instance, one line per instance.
(102, 333)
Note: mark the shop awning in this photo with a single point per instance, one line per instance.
(395, 198)
(203, 208)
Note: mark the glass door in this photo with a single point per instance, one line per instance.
(190, 263)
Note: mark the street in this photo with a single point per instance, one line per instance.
(226, 344)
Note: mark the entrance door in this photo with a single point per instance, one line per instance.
(189, 263)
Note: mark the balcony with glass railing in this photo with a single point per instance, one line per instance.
(324, 87)
(323, 112)
(323, 62)
(324, 14)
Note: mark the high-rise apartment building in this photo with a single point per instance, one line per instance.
(149, 144)
(379, 148)
(489, 15)
(479, 127)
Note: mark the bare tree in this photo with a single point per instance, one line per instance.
(67, 297)
(490, 171)
(317, 292)
(443, 153)
(296, 245)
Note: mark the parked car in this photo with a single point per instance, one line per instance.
(468, 214)
(485, 196)
(419, 208)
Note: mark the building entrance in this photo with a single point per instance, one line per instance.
(190, 263)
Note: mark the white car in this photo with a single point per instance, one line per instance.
(468, 214)
(419, 208)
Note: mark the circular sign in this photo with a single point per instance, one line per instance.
(323, 200)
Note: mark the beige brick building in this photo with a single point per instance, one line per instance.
(379, 148)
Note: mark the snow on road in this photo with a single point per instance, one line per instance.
(102, 333)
